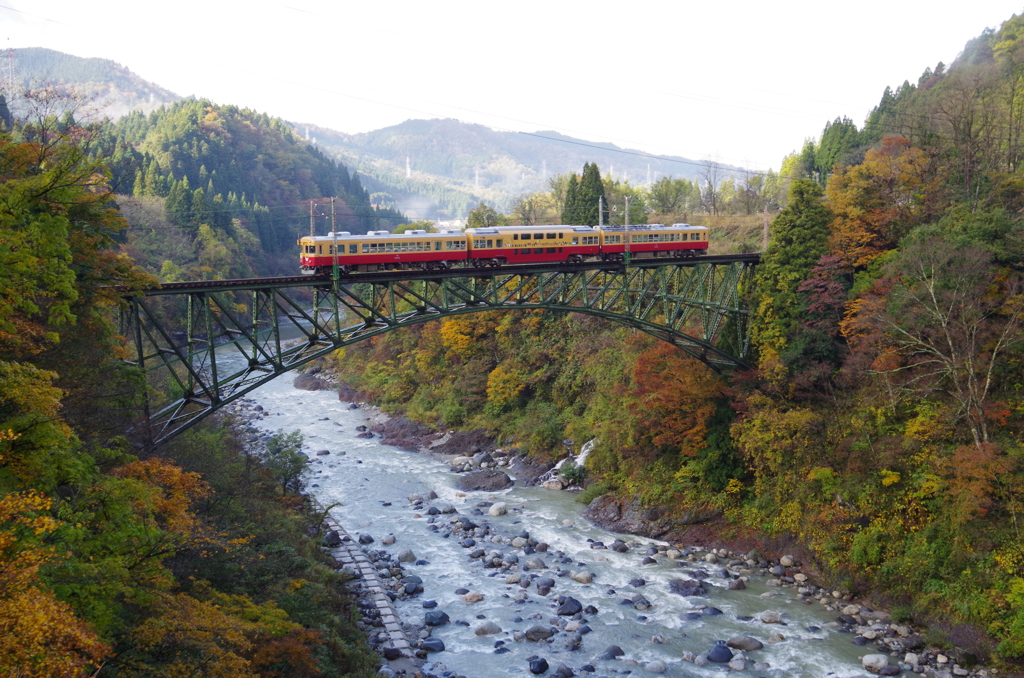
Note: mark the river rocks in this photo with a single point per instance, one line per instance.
(787, 561)
(538, 633)
(613, 651)
(737, 585)
(771, 617)
(553, 484)
(874, 663)
(487, 628)
(406, 556)
(473, 597)
(569, 607)
(322, 453)
(583, 577)
(687, 587)
(436, 618)
(332, 539)
(482, 460)
(720, 654)
(538, 666)
(497, 509)
(656, 666)
(432, 645)
(488, 480)
(534, 564)
(365, 539)
(309, 382)
(389, 540)
(745, 643)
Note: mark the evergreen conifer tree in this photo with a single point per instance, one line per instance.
(590, 196)
(6, 119)
(571, 207)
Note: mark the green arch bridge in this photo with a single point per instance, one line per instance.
(182, 333)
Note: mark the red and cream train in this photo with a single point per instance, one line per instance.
(500, 246)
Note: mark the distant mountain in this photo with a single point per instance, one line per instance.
(443, 167)
(110, 88)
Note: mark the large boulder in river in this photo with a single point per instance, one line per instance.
(466, 443)
(487, 480)
(406, 434)
(308, 382)
(617, 515)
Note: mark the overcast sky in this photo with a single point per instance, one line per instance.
(741, 82)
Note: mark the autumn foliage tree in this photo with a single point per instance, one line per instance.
(879, 201)
(939, 327)
(40, 636)
(676, 396)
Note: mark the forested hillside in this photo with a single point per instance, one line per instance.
(219, 191)
(883, 423)
(117, 559)
(106, 89)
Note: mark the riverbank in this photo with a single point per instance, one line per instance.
(633, 558)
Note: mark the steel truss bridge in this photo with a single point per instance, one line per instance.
(202, 345)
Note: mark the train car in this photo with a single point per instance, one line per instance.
(512, 245)
(382, 251)
(649, 241)
(498, 246)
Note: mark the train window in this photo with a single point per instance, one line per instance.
(500, 243)
(552, 250)
(695, 236)
(552, 236)
(352, 249)
(490, 243)
(366, 248)
(389, 247)
(559, 236)
(437, 246)
(515, 236)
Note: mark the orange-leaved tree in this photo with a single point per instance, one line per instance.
(880, 200)
(676, 397)
(40, 636)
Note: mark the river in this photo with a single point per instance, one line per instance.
(370, 485)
